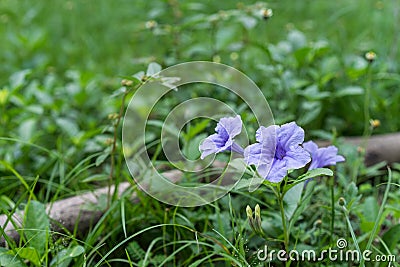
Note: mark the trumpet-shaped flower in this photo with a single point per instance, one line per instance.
(222, 140)
(277, 151)
(322, 157)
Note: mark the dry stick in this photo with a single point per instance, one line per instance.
(71, 211)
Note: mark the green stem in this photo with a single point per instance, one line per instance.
(353, 235)
(379, 216)
(279, 195)
(332, 184)
(366, 102)
(114, 148)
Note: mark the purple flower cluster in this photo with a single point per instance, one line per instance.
(278, 148)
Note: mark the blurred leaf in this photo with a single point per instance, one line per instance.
(100, 159)
(312, 93)
(349, 91)
(68, 126)
(191, 147)
(303, 56)
(95, 178)
(352, 196)
(169, 128)
(248, 21)
(18, 78)
(26, 129)
(392, 237)
(153, 69)
(370, 210)
(297, 39)
(196, 129)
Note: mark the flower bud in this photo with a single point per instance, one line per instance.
(375, 123)
(216, 59)
(249, 212)
(342, 201)
(370, 56)
(109, 141)
(257, 211)
(266, 13)
(257, 220)
(360, 150)
(234, 56)
(151, 24)
(113, 116)
(126, 82)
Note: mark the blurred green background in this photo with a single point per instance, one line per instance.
(110, 37)
(61, 68)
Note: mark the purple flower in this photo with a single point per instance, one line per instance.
(322, 157)
(227, 129)
(277, 151)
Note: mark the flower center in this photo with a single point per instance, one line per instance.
(280, 152)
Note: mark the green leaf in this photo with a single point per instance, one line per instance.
(65, 256)
(292, 199)
(30, 254)
(316, 172)
(7, 259)
(26, 129)
(36, 226)
(60, 260)
(303, 203)
(310, 114)
(350, 91)
(196, 129)
(191, 148)
(168, 128)
(392, 237)
(100, 159)
(75, 251)
(370, 208)
(352, 196)
(309, 174)
(95, 178)
(249, 183)
(68, 126)
(18, 78)
(312, 92)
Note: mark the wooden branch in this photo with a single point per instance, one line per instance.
(385, 147)
(72, 211)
